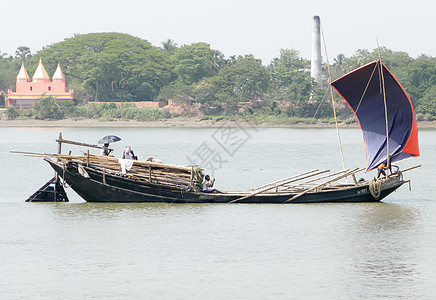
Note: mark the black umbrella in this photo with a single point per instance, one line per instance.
(109, 139)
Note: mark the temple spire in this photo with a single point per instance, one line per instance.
(58, 74)
(22, 74)
(40, 72)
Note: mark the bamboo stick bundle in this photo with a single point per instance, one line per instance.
(182, 175)
(160, 179)
(144, 164)
(159, 173)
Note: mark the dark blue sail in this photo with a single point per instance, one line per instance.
(362, 89)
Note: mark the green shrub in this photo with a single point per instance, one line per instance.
(428, 117)
(113, 112)
(12, 113)
(49, 108)
(28, 112)
(419, 117)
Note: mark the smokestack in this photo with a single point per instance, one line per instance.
(315, 67)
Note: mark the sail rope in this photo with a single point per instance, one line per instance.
(331, 93)
(363, 94)
(366, 88)
(319, 106)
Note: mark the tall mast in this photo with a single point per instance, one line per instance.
(385, 105)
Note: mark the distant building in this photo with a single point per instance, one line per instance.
(28, 92)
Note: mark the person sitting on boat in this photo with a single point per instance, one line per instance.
(128, 154)
(155, 160)
(208, 184)
(105, 151)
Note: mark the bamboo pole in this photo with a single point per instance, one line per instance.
(411, 168)
(280, 184)
(59, 143)
(385, 106)
(319, 178)
(284, 179)
(56, 173)
(324, 184)
(107, 159)
(60, 140)
(44, 154)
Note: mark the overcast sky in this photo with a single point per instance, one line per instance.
(234, 27)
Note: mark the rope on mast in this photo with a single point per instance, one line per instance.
(331, 93)
(386, 107)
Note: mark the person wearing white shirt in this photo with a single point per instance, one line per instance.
(128, 153)
(208, 185)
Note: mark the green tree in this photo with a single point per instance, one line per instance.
(418, 76)
(23, 53)
(206, 91)
(112, 66)
(286, 67)
(427, 104)
(3, 55)
(176, 91)
(291, 81)
(8, 73)
(2, 99)
(244, 80)
(197, 61)
(169, 46)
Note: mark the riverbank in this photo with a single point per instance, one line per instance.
(180, 122)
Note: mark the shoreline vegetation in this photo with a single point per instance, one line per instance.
(123, 81)
(49, 112)
(113, 74)
(191, 122)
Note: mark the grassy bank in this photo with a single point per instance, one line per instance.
(194, 122)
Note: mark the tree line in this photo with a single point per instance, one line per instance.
(119, 67)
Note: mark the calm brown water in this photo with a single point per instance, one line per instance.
(136, 251)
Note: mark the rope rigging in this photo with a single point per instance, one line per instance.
(384, 100)
(333, 102)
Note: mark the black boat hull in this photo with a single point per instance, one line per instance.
(97, 186)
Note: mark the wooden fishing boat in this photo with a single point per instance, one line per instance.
(388, 126)
(101, 184)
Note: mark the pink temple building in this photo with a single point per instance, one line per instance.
(28, 92)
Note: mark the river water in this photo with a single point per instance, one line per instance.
(181, 251)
